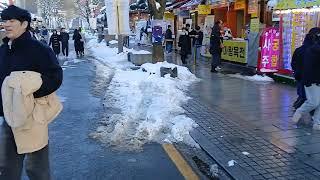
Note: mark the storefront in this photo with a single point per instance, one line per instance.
(234, 17)
(296, 19)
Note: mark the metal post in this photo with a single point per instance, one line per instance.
(195, 55)
(120, 37)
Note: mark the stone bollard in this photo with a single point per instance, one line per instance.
(173, 72)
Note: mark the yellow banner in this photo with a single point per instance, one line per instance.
(168, 16)
(255, 25)
(204, 9)
(236, 51)
(240, 4)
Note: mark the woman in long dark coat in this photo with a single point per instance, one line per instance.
(55, 42)
(77, 42)
(183, 44)
(216, 45)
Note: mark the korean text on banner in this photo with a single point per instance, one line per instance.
(253, 7)
(204, 9)
(270, 50)
(240, 4)
(235, 51)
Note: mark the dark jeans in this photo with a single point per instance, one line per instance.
(300, 90)
(169, 47)
(11, 163)
(216, 60)
(65, 49)
(183, 58)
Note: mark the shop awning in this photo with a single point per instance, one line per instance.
(177, 4)
(191, 4)
(220, 3)
(296, 4)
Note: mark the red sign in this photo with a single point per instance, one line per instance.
(270, 50)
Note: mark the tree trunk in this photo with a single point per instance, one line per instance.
(157, 53)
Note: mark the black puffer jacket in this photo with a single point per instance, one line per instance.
(184, 44)
(297, 62)
(215, 41)
(28, 54)
(311, 69)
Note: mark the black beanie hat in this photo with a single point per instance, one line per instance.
(14, 12)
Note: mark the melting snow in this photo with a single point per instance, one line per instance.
(231, 163)
(256, 77)
(150, 105)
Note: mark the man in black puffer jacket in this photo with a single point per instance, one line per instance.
(21, 52)
(311, 80)
(297, 65)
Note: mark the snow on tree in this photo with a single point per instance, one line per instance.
(48, 9)
(85, 8)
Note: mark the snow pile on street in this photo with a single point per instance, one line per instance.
(149, 105)
(139, 52)
(89, 36)
(109, 55)
(257, 78)
(113, 42)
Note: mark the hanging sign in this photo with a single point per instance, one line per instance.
(204, 9)
(270, 50)
(240, 4)
(255, 25)
(253, 7)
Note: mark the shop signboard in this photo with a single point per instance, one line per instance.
(270, 50)
(298, 29)
(255, 25)
(286, 33)
(294, 4)
(235, 51)
(253, 7)
(204, 9)
(240, 4)
(168, 16)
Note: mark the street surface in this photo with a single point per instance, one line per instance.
(242, 121)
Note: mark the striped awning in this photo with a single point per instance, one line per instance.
(191, 4)
(177, 4)
(220, 3)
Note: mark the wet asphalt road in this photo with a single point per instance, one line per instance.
(75, 155)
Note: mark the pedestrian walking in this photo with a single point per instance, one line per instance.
(198, 41)
(216, 45)
(45, 34)
(183, 44)
(297, 65)
(311, 80)
(64, 36)
(82, 41)
(26, 66)
(77, 42)
(55, 42)
(169, 39)
(189, 51)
